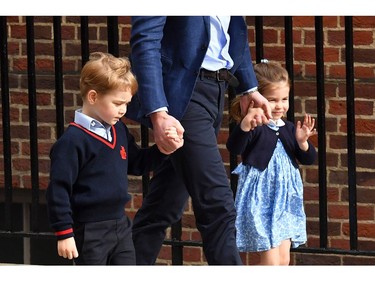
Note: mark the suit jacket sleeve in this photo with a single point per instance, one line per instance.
(145, 41)
(245, 73)
(240, 52)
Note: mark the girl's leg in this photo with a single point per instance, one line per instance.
(279, 255)
(270, 257)
(284, 252)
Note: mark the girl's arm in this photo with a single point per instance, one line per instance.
(241, 134)
(304, 131)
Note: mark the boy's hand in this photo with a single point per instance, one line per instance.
(66, 248)
(171, 133)
(176, 141)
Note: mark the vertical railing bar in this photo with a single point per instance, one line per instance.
(233, 161)
(26, 229)
(113, 36)
(33, 122)
(289, 63)
(350, 107)
(8, 189)
(177, 249)
(145, 143)
(85, 49)
(176, 228)
(259, 38)
(59, 95)
(319, 52)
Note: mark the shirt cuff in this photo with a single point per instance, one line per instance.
(157, 110)
(249, 92)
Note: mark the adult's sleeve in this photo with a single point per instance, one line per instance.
(145, 42)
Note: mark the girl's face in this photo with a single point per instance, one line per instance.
(110, 107)
(278, 97)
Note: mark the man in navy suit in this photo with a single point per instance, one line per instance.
(183, 66)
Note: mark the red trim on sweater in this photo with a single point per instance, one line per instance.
(111, 145)
(63, 232)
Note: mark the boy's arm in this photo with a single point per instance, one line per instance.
(143, 160)
(63, 172)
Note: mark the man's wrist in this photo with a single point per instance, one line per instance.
(249, 92)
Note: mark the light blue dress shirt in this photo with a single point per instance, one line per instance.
(103, 130)
(217, 55)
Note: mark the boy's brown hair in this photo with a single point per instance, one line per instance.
(105, 72)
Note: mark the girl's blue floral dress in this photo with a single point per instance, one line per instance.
(269, 204)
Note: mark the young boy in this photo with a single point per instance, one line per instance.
(90, 162)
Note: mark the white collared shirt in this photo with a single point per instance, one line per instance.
(103, 130)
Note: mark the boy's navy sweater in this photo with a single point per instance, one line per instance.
(257, 146)
(88, 176)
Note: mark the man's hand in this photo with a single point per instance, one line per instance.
(252, 119)
(259, 101)
(162, 122)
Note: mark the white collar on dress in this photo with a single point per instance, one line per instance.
(275, 124)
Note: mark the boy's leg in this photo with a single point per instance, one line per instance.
(124, 253)
(94, 241)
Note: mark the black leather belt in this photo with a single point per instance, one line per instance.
(220, 75)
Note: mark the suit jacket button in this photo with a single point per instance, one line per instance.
(277, 133)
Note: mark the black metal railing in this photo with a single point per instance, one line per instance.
(7, 192)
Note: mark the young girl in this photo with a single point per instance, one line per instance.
(269, 199)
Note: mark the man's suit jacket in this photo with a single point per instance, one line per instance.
(166, 55)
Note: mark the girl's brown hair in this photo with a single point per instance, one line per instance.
(105, 72)
(267, 74)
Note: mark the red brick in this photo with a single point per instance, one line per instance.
(192, 254)
(338, 211)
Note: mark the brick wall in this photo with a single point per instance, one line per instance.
(305, 101)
